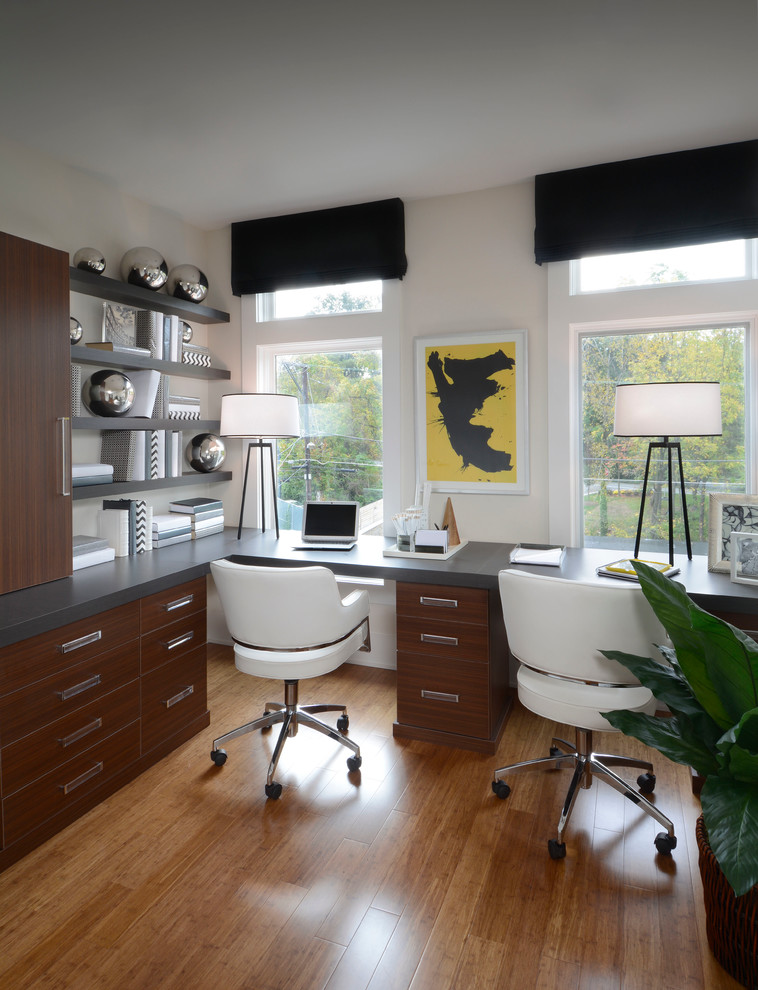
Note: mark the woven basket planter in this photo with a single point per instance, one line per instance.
(731, 922)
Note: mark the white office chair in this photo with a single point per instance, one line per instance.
(555, 628)
(289, 623)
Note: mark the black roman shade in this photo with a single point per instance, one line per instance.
(687, 197)
(323, 247)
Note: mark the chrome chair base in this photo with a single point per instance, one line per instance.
(587, 764)
(291, 715)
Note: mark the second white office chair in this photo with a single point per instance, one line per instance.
(289, 623)
(555, 628)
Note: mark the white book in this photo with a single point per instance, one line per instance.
(203, 522)
(198, 534)
(94, 557)
(165, 522)
(113, 525)
(90, 470)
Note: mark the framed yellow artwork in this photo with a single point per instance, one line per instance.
(471, 412)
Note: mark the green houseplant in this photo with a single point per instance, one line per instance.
(710, 685)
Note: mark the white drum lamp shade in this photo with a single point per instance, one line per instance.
(259, 414)
(668, 409)
(261, 418)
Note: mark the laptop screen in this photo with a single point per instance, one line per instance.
(331, 522)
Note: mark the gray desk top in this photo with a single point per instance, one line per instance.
(94, 589)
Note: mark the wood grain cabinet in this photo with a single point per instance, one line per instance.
(35, 411)
(88, 706)
(452, 666)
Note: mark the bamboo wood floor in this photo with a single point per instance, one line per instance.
(412, 876)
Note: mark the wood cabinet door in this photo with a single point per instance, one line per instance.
(35, 409)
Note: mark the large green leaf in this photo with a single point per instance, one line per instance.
(730, 813)
(732, 660)
(675, 611)
(739, 748)
(674, 737)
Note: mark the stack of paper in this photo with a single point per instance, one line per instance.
(537, 553)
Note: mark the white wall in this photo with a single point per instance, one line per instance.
(471, 267)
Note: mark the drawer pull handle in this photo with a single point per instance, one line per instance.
(81, 733)
(179, 603)
(77, 644)
(438, 602)
(82, 779)
(180, 697)
(79, 688)
(179, 641)
(439, 640)
(440, 696)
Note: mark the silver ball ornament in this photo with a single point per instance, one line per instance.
(75, 330)
(186, 332)
(108, 393)
(205, 452)
(89, 259)
(187, 282)
(144, 266)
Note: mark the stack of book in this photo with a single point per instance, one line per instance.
(91, 474)
(197, 355)
(206, 515)
(160, 334)
(170, 528)
(183, 407)
(89, 550)
(126, 523)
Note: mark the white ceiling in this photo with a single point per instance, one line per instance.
(228, 111)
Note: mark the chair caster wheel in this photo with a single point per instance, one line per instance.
(354, 763)
(646, 783)
(665, 843)
(500, 789)
(273, 790)
(556, 849)
(343, 723)
(218, 756)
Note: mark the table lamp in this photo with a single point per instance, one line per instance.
(261, 417)
(666, 409)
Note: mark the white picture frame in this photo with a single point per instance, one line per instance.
(744, 558)
(474, 438)
(727, 514)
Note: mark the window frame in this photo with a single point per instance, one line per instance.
(660, 306)
(265, 305)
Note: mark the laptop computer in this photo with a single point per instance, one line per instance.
(330, 525)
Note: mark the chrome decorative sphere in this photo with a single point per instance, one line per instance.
(205, 452)
(186, 332)
(144, 266)
(89, 259)
(75, 330)
(187, 282)
(108, 393)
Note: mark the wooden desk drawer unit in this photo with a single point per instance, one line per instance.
(38, 657)
(173, 640)
(452, 666)
(45, 701)
(174, 603)
(69, 783)
(62, 740)
(89, 706)
(172, 696)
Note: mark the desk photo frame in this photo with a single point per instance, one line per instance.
(471, 412)
(728, 514)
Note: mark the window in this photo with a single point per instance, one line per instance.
(339, 455)
(613, 467)
(699, 329)
(324, 300)
(698, 263)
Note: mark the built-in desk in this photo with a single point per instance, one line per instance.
(453, 668)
